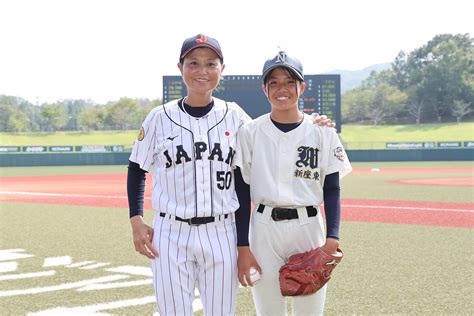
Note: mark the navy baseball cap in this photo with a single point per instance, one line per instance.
(285, 61)
(200, 40)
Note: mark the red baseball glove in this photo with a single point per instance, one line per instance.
(305, 273)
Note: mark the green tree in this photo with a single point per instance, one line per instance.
(92, 118)
(400, 72)
(73, 108)
(124, 114)
(441, 71)
(387, 101)
(415, 104)
(12, 118)
(54, 115)
(461, 109)
(376, 78)
(19, 122)
(355, 104)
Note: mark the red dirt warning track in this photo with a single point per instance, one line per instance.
(109, 190)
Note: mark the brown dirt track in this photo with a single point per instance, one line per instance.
(110, 191)
(427, 170)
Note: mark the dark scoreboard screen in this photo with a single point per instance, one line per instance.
(322, 94)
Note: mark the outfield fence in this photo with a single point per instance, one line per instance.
(408, 145)
(121, 158)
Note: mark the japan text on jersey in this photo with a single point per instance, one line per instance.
(191, 157)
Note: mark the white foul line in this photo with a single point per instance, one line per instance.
(61, 194)
(26, 275)
(95, 266)
(57, 261)
(8, 266)
(64, 286)
(408, 208)
(12, 254)
(67, 195)
(346, 205)
(91, 309)
(79, 264)
(135, 270)
(114, 285)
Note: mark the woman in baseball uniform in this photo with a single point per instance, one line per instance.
(189, 143)
(199, 218)
(292, 167)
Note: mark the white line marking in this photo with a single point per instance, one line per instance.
(135, 270)
(92, 309)
(12, 254)
(95, 266)
(11, 250)
(115, 285)
(409, 208)
(57, 261)
(79, 264)
(66, 195)
(8, 266)
(61, 194)
(26, 275)
(60, 311)
(64, 286)
(148, 198)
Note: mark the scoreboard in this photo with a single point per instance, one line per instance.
(322, 94)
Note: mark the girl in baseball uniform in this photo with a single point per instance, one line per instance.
(292, 167)
(189, 143)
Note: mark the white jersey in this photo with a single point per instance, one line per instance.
(288, 169)
(191, 158)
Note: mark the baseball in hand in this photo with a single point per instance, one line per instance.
(254, 275)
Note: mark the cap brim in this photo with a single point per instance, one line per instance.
(293, 70)
(200, 46)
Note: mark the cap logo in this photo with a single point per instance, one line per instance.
(281, 57)
(202, 39)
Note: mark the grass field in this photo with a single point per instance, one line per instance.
(354, 136)
(125, 138)
(388, 268)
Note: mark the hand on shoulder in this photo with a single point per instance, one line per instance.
(322, 120)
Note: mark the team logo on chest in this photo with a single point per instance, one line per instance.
(215, 153)
(307, 163)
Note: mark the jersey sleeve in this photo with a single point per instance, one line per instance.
(336, 157)
(144, 147)
(243, 116)
(243, 152)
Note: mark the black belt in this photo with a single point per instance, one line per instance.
(196, 221)
(280, 214)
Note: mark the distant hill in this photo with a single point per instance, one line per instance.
(352, 79)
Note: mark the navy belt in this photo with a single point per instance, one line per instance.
(280, 213)
(196, 221)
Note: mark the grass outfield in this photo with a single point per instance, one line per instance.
(354, 136)
(125, 138)
(388, 268)
(373, 185)
(408, 133)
